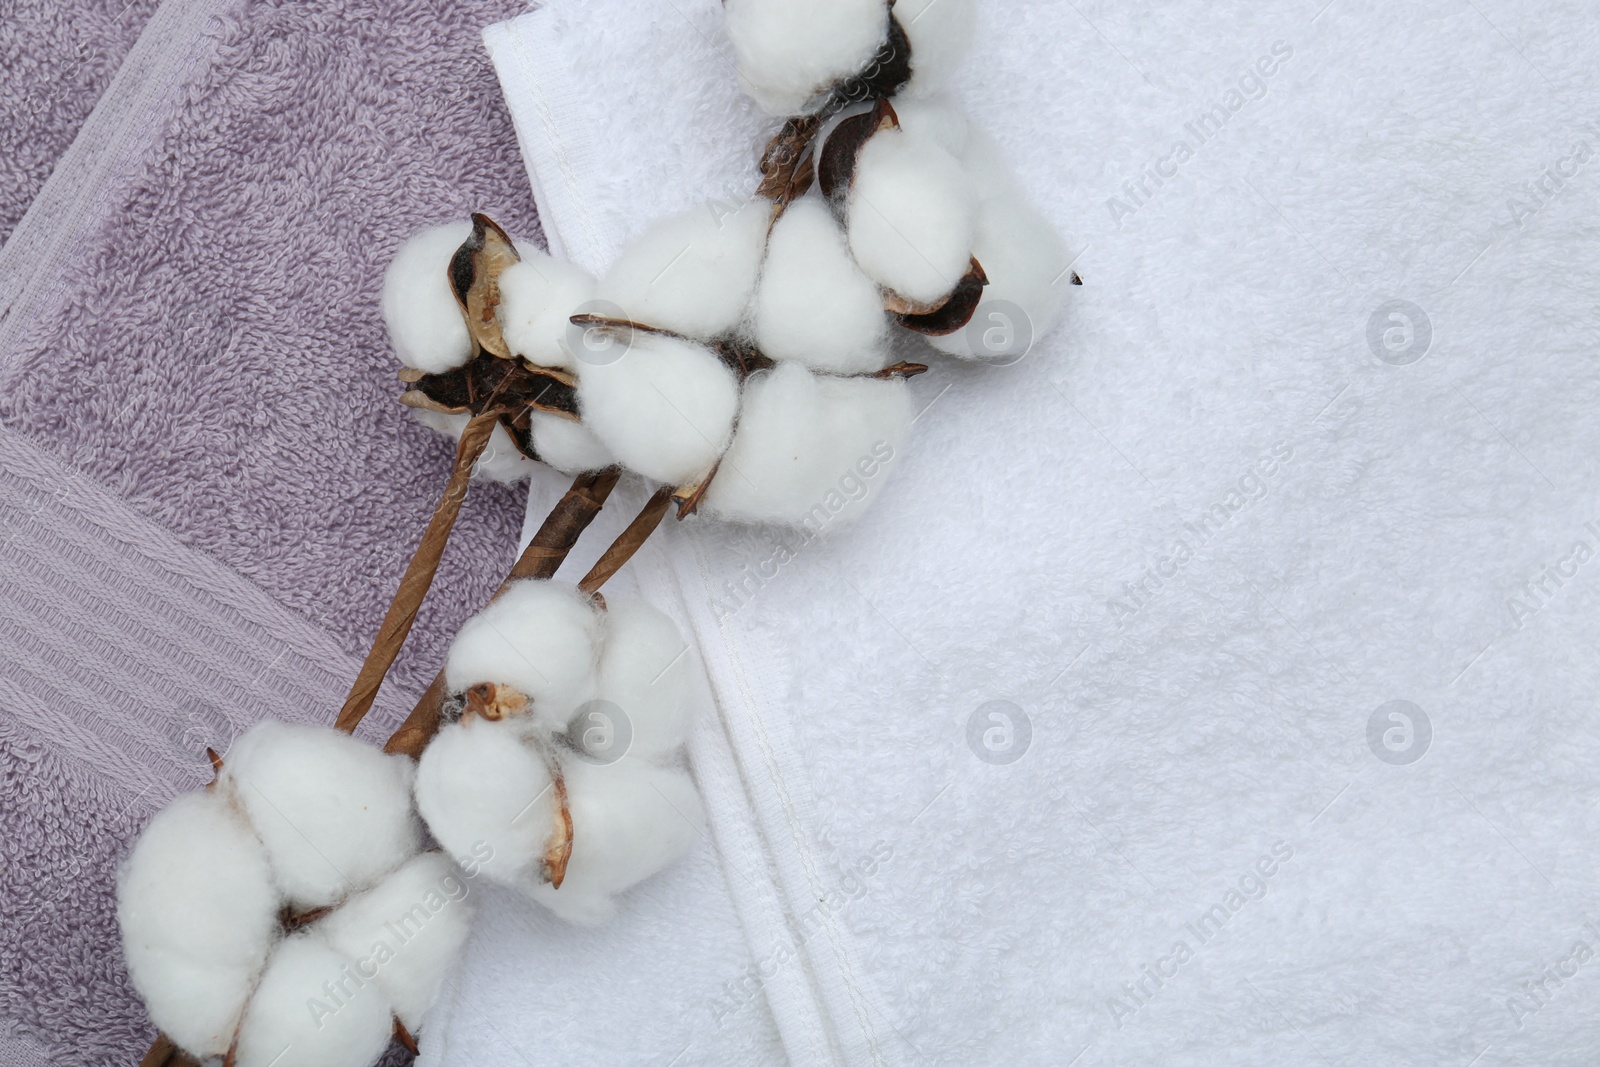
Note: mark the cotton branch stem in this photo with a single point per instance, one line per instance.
(560, 531)
(628, 542)
(419, 574)
(163, 1053)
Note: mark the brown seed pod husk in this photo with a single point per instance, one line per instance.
(403, 1037)
(558, 849)
(688, 497)
(786, 155)
(885, 74)
(836, 167)
(741, 356)
(956, 310)
(475, 271)
(902, 369)
(510, 384)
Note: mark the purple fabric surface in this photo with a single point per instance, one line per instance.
(217, 361)
(57, 58)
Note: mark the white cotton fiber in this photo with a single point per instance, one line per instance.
(665, 408)
(501, 461)
(569, 447)
(198, 914)
(810, 449)
(939, 32)
(936, 118)
(537, 297)
(1027, 265)
(425, 323)
(644, 671)
(691, 273)
(406, 932)
(813, 305)
(334, 812)
(313, 1010)
(630, 819)
(486, 797)
(790, 51)
(910, 215)
(984, 161)
(541, 638)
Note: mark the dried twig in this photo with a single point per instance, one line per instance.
(628, 542)
(163, 1053)
(567, 520)
(419, 575)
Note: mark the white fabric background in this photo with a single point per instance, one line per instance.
(1222, 327)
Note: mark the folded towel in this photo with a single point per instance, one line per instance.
(58, 59)
(1215, 684)
(207, 491)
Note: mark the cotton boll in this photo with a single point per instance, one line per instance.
(939, 32)
(502, 461)
(541, 638)
(809, 449)
(409, 929)
(936, 118)
(312, 1009)
(425, 323)
(486, 797)
(198, 914)
(692, 273)
(570, 447)
(984, 161)
(630, 819)
(537, 297)
(790, 51)
(664, 409)
(1027, 265)
(333, 812)
(910, 215)
(644, 671)
(813, 305)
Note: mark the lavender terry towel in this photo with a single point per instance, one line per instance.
(58, 59)
(207, 491)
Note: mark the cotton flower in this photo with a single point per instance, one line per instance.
(813, 305)
(807, 442)
(630, 819)
(568, 446)
(644, 670)
(333, 812)
(284, 912)
(540, 639)
(499, 786)
(937, 118)
(939, 32)
(294, 1018)
(1027, 264)
(790, 52)
(538, 295)
(692, 273)
(664, 408)
(424, 320)
(910, 213)
(199, 916)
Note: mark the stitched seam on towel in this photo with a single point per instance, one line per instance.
(557, 147)
(731, 806)
(705, 578)
(797, 833)
(81, 191)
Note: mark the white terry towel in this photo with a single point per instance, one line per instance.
(1288, 591)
